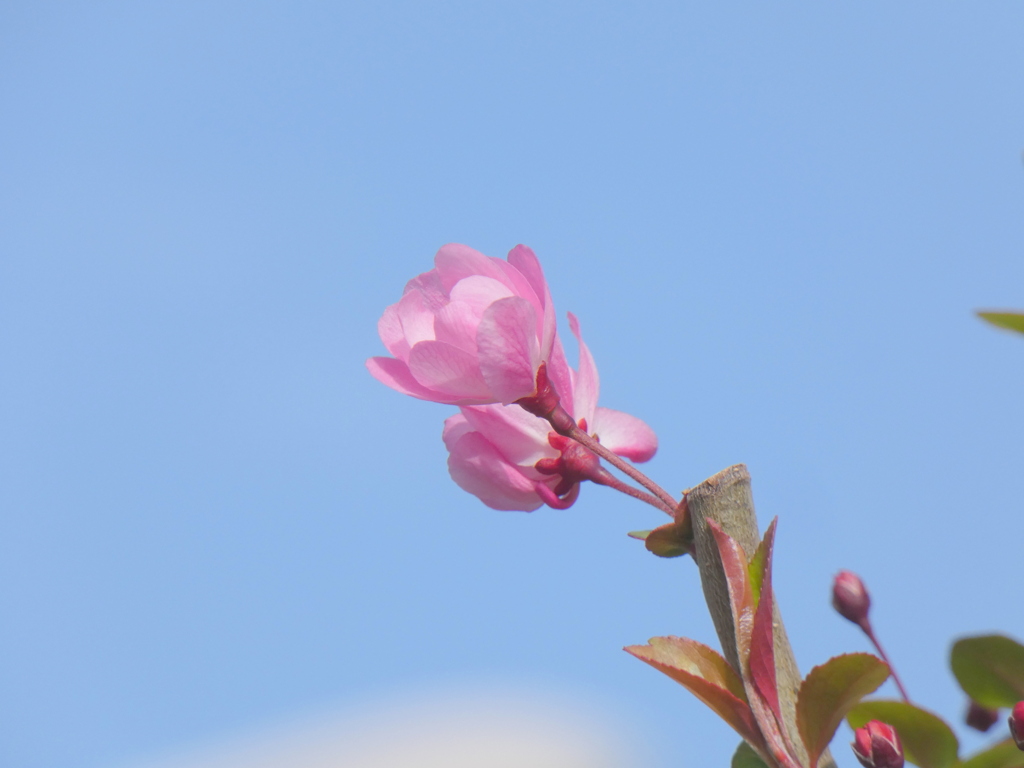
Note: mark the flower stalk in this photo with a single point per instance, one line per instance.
(667, 503)
(851, 600)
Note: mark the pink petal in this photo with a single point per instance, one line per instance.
(560, 375)
(416, 317)
(429, 284)
(509, 349)
(395, 374)
(520, 437)
(480, 292)
(587, 385)
(456, 324)
(525, 261)
(624, 434)
(449, 370)
(522, 287)
(455, 262)
(477, 467)
(454, 428)
(390, 329)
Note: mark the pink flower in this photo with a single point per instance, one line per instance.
(473, 330)
(513, 460)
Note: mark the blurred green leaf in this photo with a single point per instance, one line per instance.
(990, 669)
(642, 535)
(1011, 321)
(1002, 755)
(927, 741)
(829, 691)
(746, 757)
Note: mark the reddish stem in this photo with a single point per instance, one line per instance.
(604, 477)
(865, 625)
(545, 404)
(669, 503)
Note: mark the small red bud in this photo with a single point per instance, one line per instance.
(877, 745)
(850, 598)
(1017, 724)
(980, 718)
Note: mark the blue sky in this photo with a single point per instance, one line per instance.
(773, 221)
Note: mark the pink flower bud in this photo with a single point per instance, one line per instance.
(850, 598)
(877, 745)
(980, 718)
(1017, 724)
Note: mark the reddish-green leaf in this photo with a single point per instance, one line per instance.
(776, 743)
(1002, 755)
(670, 540)
(990, 669)
(927, 741)
(746, 757)
(708, 676)
(762, 639)
(1012, 321)
(829, 692)
(741, 598)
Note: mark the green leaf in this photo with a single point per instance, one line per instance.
(708, 676)
(1011, 321)
(927, 741)
(1002, 755)
(756, 566)
(828, 693)
(746, 757)
(990, 669)
(642, 535)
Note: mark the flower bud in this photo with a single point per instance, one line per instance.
(850, 598)
(877, 745)
(980, 718)
(1017, 724)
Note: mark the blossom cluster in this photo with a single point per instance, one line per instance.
(480, 333)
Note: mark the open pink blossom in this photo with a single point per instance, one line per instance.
(472, 330)
(513, 460)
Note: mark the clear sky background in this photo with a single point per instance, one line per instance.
(773, 220)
